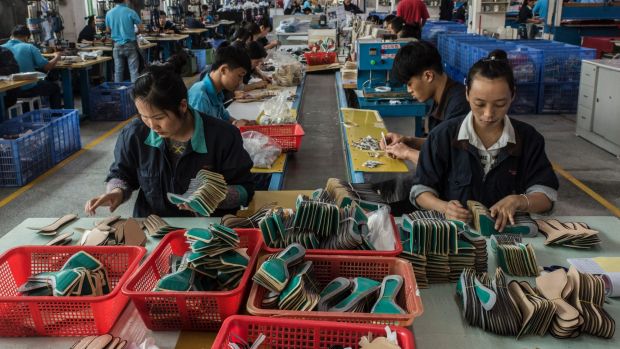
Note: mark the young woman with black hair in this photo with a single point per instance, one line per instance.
(162, 150)
(486, 156)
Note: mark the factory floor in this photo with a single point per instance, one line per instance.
(66, 187)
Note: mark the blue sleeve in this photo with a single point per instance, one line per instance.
(37, 57)
(107, 20)
(136, 18)
(197, 100)
(226, 115)
(433, 164)
(536, 9)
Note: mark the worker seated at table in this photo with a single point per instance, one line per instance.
(161, 151)
(418, 65)
(191, 22)
(30, 59)
(351, 7)
(121, 22)
(87, 35)
(241, 36)
(527, 22)
(206, 17)
(486, 156)
(395, 25)
(266, 27)
(257, 54)
(164, 25)
(230, 66)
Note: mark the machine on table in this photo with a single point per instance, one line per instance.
(376, 90)
(44, 22)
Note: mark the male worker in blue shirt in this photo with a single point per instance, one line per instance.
(540, 9)
(120, 23)
(29, 58)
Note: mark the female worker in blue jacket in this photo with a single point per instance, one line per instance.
(486, 156)
(161, 151)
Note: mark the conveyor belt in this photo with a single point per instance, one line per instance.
(321, 155)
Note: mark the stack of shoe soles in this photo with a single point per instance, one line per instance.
(157, 227)
(569, 234)
(513, 256)
(204, 194)
(253, 221)
(440, 249)
(52, 230)
(486, 303)
(563, 304)
(104, 341)
(362, 295)
(344, 194)
(114, 231)
(81, 275)
(485, 224)
(317, 224)
(214, 262)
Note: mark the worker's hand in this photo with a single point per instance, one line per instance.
(266, 79)
(391, 139)
(504, 210)
(112, 199)
(57, 55)
(260, 84)
(454, 210)
(400, 151)
(241, 95)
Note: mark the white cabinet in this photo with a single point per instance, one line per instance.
(598, 114)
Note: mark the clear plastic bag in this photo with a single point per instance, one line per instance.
(276, 110)
(263, 150)
(288, 70)
(380, 229)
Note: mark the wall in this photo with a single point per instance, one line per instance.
(12, 12)
(73, 13)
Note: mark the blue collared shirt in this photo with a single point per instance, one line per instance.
(204, 97)
(540, 9)
(121, 20)
(28, 57)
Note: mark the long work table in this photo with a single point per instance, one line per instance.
(440, 325)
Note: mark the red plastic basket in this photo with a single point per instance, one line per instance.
(61, 316)
(320, 58)
(307, 334)
(398, 248)
(327, 268)
(288, 136)
(186, 310)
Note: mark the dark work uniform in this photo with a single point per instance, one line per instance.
(352, 8)
(263, 41)
(167, 26)
(88, 34)
(525, 13)
(453, 104)
(142, 161)
(453, 167)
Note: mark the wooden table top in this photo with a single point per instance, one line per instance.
(80, 65)
(167, 37)
(194, 30)
(109, 48)
(6, 85)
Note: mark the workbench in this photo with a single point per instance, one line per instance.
(108, 49)
(165, 40)
(6, 85)
(440, 325)
(251, 111)
(67, 85)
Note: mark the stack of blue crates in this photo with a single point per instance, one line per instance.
(34, 142)
(111, 101)
(432, 29)
(560, 74)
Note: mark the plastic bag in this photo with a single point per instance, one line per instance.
(263, 150)
(288, 70)
(380, 229)
(276, 110)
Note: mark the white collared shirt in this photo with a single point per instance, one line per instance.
(488, 156)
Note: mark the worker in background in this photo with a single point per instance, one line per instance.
(412, 11)
(351, 7)
(206, 17)
(540, 10)
(191, 22)
(386, 21)
(29, 59)
(120, 22)
(486, 156)
(266, 27)
(410, 31)
(460, 12)
(165, 26)
(162, 150)
(418, 65)
(446, 7)
(527, 28)
(87, 35)
(396, 25)
(257, 54)
(230, 66)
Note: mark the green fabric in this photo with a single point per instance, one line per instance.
(198, 141)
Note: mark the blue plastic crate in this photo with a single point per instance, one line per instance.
(525, 61)
(443, 40)
(526, 99)
(458, 48)
(201, 59)
(25, 151)
(559, 97)
(560, 62)
(112, 101)
(432, 29)
(65, 130)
